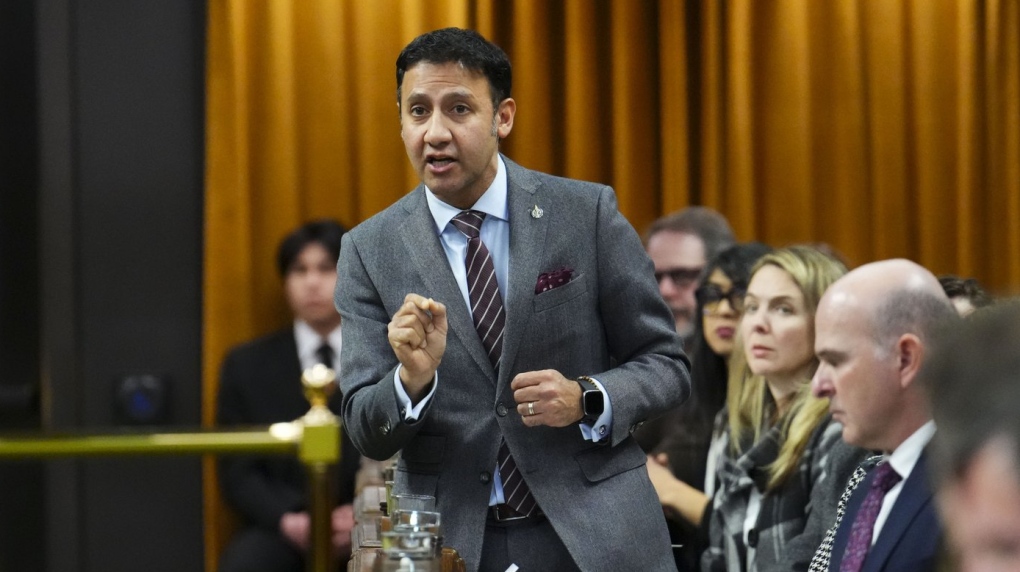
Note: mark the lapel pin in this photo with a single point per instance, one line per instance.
(537, 212)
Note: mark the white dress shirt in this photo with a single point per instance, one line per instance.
(903, 460)
(309, 341)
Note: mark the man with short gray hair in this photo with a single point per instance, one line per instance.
(873, 331)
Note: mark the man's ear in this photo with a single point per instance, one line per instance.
(910, 352)
(505, 117)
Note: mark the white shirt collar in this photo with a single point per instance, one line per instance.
(906, 455)
(492, 202)
(309, 341)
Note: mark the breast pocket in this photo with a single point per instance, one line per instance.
(558, 296)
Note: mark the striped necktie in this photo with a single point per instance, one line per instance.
(490, 319)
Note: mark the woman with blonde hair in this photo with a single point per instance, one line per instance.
(777, 486)
(787, 464)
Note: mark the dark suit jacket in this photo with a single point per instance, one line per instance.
(260, 383)
(911, 535)
(597, 496)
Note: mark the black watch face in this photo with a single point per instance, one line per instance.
(593, 404)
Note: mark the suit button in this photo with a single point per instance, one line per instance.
(385, 428)
(501, 410)
(485, 477)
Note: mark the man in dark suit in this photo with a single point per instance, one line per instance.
(260, 384)
(505, 334)
(874, 328)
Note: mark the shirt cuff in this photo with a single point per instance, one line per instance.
(604, 424)
(412, 412)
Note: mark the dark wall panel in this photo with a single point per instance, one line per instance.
(129, 178)
(139, 109)
(21, 518)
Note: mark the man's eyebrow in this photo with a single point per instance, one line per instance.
(458, 95)
(453, 94)
(829, 354)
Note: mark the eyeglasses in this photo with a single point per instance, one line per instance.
(682, 277)
(710, 295)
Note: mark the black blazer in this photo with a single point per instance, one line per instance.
(911, 535)
(260, 383)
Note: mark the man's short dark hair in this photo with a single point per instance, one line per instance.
(703, 222)
(326, 232)
(973, 382)
(466, 47)
(969, 288)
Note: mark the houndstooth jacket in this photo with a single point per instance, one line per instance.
(820, 562)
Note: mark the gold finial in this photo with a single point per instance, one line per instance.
(319, 382)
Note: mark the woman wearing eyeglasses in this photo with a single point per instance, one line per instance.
(685, 447)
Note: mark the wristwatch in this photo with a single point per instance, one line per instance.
(592, 401)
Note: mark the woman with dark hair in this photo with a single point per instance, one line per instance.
(685, 447)
(720, 298)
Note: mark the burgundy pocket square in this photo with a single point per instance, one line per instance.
(554, 279)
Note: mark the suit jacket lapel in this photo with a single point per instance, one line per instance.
(914, 497)
(429, 259)
(527, 240)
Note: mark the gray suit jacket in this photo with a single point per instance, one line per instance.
(608, 322)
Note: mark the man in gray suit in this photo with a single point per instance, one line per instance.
(505, 334)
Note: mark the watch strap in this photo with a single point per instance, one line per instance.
(588, 385)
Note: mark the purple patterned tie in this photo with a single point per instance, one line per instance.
(864, 523)
(490, 319)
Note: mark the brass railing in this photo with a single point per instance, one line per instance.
(315, 438)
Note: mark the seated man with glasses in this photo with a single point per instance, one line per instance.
(680, 244)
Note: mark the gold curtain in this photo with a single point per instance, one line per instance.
(884, 128)
(302, 123)
(881, 127)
